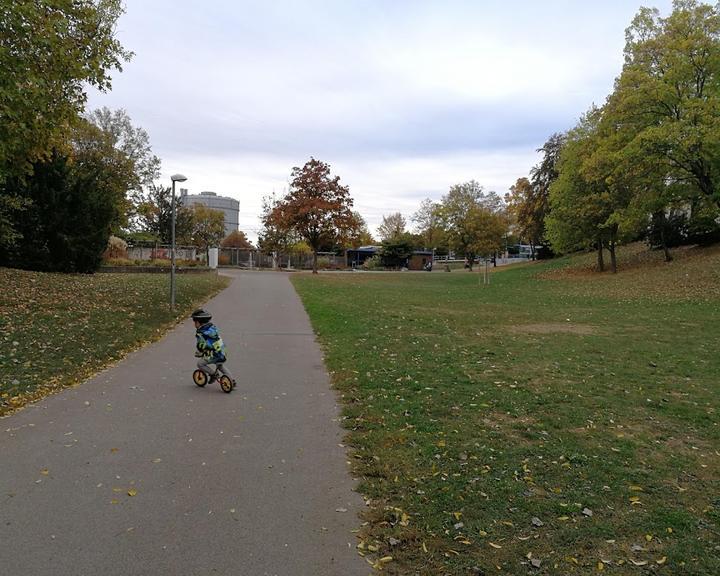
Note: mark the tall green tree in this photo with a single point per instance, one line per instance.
(76, 197)
(429, 226)
(50, 52)
(134, 143)
(154, 216)
(586, 202)
(208, 227)
(472, 220)
(668, 95)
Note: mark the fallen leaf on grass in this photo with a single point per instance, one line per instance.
(494, 545)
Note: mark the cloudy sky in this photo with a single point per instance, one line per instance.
(402, 98)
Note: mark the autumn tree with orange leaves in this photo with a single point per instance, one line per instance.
(317, 208)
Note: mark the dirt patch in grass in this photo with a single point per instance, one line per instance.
(553, 328)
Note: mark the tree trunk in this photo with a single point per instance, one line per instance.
(663, 238)
(611, 247)
(532, 250)
(315, 270)
(600, 258)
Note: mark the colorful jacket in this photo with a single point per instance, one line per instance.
(209, 343)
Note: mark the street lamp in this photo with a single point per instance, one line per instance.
(174, 178)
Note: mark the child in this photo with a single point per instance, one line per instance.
(210, 347)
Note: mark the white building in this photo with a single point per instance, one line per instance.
(228, 206)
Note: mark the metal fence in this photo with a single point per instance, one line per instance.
(242, 258)
(162, 252)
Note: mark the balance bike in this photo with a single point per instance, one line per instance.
(200, 378)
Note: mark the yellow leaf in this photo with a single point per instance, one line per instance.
(648, 537)
(564, 518)
(661, 560)
(600, 566)
(132, 492)
(441, 444)
(45, 472)
(494, 545)
(457, 515)
(386, 559)
(372, 548)
(424, 548)
(636, 488)
(669, 530)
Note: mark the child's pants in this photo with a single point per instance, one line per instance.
(211, 368)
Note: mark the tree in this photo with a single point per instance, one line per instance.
(668, 95)
(396, 250)
(464, 212)
(361, 235)
(429, 226)
(392, 226)
(585, 201)
(76, 200)
(276, 236)
(237, 239)
(49, 53)
(154, 216)
(487, 230)
(521, 205)
(134, 143)
(208, 227)
(317, 207)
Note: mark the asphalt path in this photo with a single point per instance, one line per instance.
(140, 472)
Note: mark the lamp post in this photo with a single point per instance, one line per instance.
(174, 178)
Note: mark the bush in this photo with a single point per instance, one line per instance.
(372, 263)
(116, 248)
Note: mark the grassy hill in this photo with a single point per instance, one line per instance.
(59, 329)
(558, 421)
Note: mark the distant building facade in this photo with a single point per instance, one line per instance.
(228, 206)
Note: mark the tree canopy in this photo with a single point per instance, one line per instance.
(317, 208)
(472, 220)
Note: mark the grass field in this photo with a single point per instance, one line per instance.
(557, 421)
(58, 329)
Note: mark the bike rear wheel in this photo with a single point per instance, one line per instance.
(226, 384)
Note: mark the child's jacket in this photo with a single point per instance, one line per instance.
(209, 343)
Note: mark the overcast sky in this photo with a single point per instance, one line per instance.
(402, 98)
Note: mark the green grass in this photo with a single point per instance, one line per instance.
(588, 402)
(58, 329)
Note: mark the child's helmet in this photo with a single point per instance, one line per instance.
(201, 316)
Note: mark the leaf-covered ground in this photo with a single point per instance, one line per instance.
(554, 422)
(58, 329)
